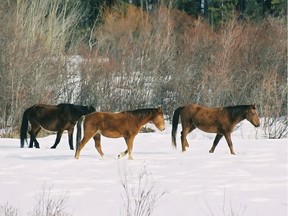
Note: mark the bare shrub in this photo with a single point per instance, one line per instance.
(134, 43)
(276, 128)
(48, 204)
(35, 35)
(138, 58)
(8, 210)
(140, 193)
(168, 58)
(226, 207)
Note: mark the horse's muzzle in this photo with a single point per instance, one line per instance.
(162, 129)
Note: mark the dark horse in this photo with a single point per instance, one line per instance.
(220, 120)
(125, 124)
(52, 118)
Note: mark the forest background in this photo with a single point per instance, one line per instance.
(118, 55)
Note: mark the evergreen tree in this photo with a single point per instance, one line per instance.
(220, 11)
(279, 8)
(191, 7)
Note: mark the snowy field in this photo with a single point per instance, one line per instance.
(252, 182)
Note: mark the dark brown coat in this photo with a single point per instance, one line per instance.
(51, 118)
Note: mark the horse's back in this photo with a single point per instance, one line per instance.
(43, 106)
(107, 117)
(39, 110)
(204, 118)
(199, 108)
(198, 111)
(112, 125)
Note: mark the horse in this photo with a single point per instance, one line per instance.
(221, 120)
(58, 118)
(126, 124)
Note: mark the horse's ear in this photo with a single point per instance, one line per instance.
(254, 106)
(91, 108)
(160, 110)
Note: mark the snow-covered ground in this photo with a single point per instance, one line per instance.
(252, 182)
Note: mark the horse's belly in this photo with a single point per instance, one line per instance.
(110, 134)
(49, 128)
(208, 129)
(49, 124)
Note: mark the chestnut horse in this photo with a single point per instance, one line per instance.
(125, 124)
(220, 120)
(52, 118)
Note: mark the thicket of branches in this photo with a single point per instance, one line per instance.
(132, 59)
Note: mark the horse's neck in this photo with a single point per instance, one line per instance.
(143, 120)
(76, 114)
(239, 119)
(236, 118)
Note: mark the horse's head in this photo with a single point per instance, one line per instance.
(158, 119)
(91, 109)
(87, 110)
(252, 115)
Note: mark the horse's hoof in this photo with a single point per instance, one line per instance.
(104, 157)
(122, 154)
(210, 151)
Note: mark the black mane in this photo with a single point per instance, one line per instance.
(74, 112)
(236, 111)
(141, 113)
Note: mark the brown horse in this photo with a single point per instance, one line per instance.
(52, 118)
(212, 120)
(125, 124)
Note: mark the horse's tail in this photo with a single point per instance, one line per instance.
(79, 130)
(175, 124)
(24, 128)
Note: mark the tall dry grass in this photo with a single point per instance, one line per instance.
(35, 36)
(138, 59)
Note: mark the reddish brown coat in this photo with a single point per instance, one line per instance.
(125, 124)
(221, 121)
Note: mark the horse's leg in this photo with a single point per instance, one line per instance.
(184, 133)
(31, 140)
(129, 142)
(87, 136)
(70, 137)
(97, 139)
(58, 138)
(122, 154)
(191, 129)
(229, 141)
(33, 133)
(36, 143)
(216, 141)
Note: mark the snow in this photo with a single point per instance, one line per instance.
(252, 182)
